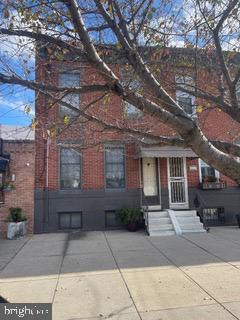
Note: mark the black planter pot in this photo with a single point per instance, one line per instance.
(132, 227)
(238, 219)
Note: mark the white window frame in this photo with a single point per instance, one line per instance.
(184, 81)
(200, 162)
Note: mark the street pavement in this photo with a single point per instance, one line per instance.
(120, 275)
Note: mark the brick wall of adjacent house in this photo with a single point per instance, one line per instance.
(22, 159)
(215, 124)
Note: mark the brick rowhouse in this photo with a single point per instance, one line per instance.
(92, 199)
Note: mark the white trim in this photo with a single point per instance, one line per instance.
(159, 183)
(184, 205)
(199, 170)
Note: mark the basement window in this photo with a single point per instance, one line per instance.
(70, 220)
(213, 216)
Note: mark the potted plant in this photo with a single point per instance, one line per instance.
(130, 217)
(16, 223)
(7, 186)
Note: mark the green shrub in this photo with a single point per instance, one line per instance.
(16, 215)
(129, 215)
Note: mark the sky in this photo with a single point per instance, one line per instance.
(13, 104)
(15, 57)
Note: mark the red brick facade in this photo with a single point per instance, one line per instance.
(22, 167)
(215, 124)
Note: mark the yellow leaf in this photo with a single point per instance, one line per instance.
(110, 8)
(118, 45)
(66, 120)
(34, 123)
(199, 109)
(52, 131)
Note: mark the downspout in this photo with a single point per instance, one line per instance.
(140, 182)
(47, 184)
(1, 146)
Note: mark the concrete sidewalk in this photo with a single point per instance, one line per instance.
(127, 276)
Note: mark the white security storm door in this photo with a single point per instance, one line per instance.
(177, 183)
(150, 177)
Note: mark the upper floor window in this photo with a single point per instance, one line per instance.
(114, 167)
(130, 111)
(208, 174)
(69, 80)
(70, 168)
(184, 99)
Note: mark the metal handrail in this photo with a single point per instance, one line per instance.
(201, 206)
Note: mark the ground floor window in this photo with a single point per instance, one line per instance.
(114, 167)
(207, 173)
(70, 168)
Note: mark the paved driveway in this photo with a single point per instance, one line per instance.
(126, 276)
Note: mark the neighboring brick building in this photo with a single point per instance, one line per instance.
(83, 188)
(17, 146)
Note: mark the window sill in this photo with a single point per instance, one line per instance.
(115, 190)
(213, 185)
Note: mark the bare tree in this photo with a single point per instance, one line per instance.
(144, 38)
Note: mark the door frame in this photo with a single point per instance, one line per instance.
(183, 205)
(158, 196)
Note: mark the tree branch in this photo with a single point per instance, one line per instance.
(40, 86)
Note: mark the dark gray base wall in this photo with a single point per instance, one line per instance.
(96, 207)
(228, 198)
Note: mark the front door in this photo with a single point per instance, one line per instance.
(177, 183)
(150, 178)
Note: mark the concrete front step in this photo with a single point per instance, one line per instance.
(189, 226)
(161, 233)
(157, 214)
(187, 220)
(160, 227)
(152, 208)
(185, 213)
(161, 220)
(193, 230)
